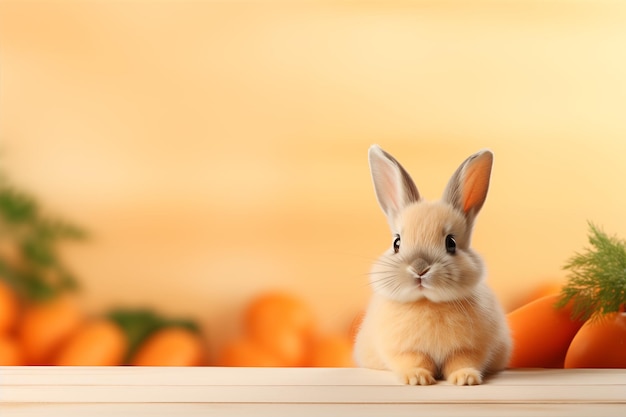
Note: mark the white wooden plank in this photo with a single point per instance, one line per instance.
(205, 376)
(126, 375)
(310, 410)
(314, 394)
(139, 391)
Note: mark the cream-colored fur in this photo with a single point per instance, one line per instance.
(432, 314)
(435, 339)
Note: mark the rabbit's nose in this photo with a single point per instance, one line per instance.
(419, 268)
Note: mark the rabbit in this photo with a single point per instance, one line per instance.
(431, 315)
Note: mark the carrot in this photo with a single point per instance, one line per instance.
(541, 333)
(245, 352)
(9, 308)
(97, 343)
(45, 326)
(331, 351)
(595, 286)
(10, 352)
(282, 324)
(171, 346)
(600, 343)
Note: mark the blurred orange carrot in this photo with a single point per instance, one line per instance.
(171, 346)
(97, 343)
(10, 352)
(282, 324)
(245, 352)
(45, 326)
(9, 308)
(331, 351)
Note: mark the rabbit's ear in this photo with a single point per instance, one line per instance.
(394, 187)
(467, 189)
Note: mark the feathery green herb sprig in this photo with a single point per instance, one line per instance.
(597, 280)
(29, 259)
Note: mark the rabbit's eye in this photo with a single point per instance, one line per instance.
(396, 244)
(450, 245)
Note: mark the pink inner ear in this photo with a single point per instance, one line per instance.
(386, 185)
(393, 193)
(475, 188)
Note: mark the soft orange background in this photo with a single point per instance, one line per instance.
(216, 150)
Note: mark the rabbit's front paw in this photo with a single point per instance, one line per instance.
(465, 376)
(417, 376)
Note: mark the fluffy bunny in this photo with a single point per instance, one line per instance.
(432, 315)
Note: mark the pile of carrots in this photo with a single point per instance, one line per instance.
(279, 330)
(58, 332)
(546, 336)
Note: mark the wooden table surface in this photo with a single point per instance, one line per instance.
(214, 391)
